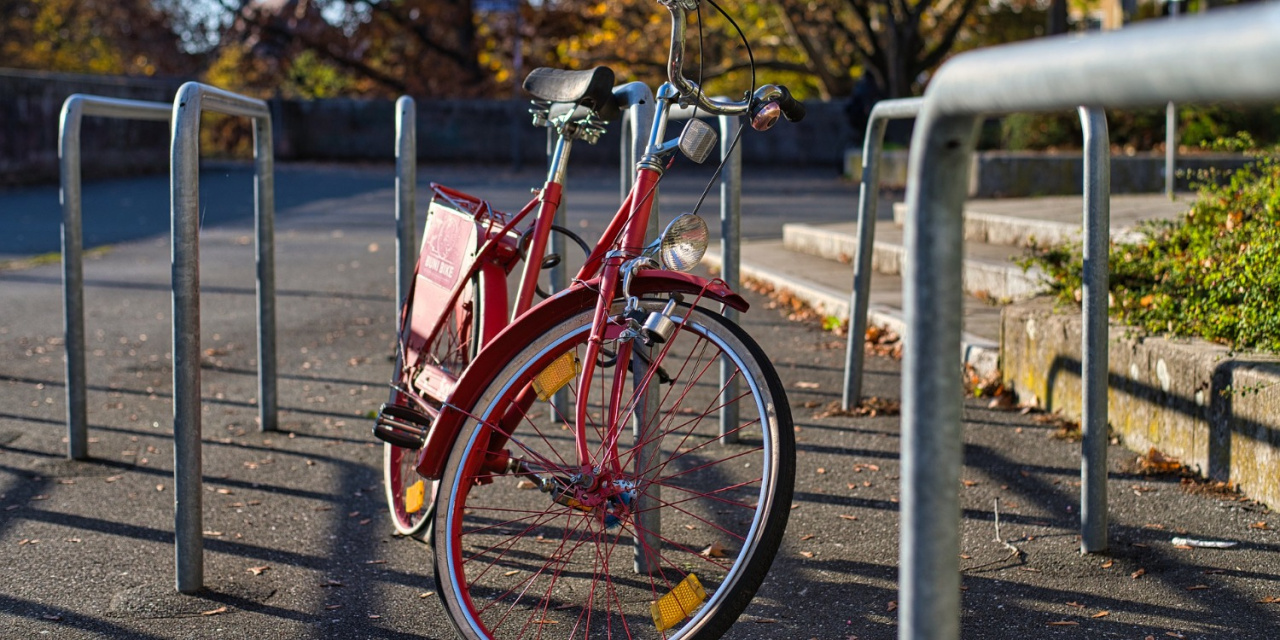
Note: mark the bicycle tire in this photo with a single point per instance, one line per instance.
(412, 516)
(511, 559)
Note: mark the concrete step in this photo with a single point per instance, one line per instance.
(989, 270)
(1056, 219)
(826, 286)
(1015, 222)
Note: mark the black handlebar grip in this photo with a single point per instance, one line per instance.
(792, 109)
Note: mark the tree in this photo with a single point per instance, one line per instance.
(387, 47)
(92, 36)
(895, 41)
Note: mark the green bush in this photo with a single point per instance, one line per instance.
(1215, 273)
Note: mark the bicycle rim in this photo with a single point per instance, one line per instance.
(672, 543)
(410, 497)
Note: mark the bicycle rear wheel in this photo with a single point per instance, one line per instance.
(672, 541)
(410, 497)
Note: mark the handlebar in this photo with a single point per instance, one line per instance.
(763, 107)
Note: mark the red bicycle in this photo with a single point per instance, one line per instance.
(631, 510)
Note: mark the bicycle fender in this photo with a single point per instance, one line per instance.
(547, 314)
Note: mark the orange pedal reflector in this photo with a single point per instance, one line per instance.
(670, 609)
(413, 497)
(557, 374)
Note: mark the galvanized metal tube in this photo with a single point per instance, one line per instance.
(265, 215)
(184, 174)
(1171, 124)
(74, 108)
(1097, 235)
(1170, 147)
(1141, 66)
(73, 278)
(406, 195)
(184, 181)
(730, 261)
(868, 206)
(637, 99)
(929, 571)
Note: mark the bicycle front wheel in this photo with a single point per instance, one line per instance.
(668, 535)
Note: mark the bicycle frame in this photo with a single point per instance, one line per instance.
(621, 244)
(596, 283)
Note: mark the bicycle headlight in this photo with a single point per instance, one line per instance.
(683, 243)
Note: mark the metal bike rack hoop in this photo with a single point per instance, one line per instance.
(192, 100)
(1237, 55)
(406, 196)
(1097, 206)
(74, 109)
(868, 204)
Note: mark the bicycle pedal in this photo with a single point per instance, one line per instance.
(401, 426)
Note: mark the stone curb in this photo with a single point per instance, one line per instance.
(982, 354)
(1216, 411)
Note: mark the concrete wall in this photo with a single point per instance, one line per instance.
(455, 131)
(30, 104)
(1004, 174)
(469, 131)
(1216, 411)
(1019, 174)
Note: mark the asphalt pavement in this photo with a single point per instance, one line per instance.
(297, 541)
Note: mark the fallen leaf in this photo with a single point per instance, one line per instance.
(213, 533)
(214, 612)
(374, 616)
(51, 616)
(715, 550)
(511, 573)
(1064, 623)
(821, 470)
(426, 594)
(526, 485)
(375, 561)
(1270, 600)
(808, 536)
(1107, 564)
(44, 497)
(546, 621)
(807, 385)
(1197, 587)
(331, 607)
(1101, 614)
(968, 483)
(845, 516)
(764, 621)
(1259, 525)
(257, 571)
(691, 527)
(807, 554)
(893, 606)
(1075, 604)
(331, 583)
(159, 487)
(1138, 574)
(112, 478)
(225, 492)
